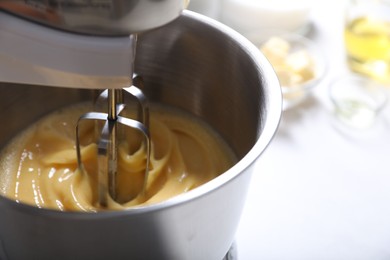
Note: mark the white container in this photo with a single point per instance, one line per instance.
(251, 15)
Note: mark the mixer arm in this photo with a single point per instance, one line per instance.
(34, 54)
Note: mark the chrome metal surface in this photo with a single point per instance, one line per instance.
(98, 17)
(109, 138)
(194, 64)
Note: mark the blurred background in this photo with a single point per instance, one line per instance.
(322, 188)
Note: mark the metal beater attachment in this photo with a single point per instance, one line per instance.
(109, 137)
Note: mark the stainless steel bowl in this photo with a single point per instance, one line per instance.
(193, 63)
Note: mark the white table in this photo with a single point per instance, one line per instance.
(321, 190)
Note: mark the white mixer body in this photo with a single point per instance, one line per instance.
(38, 55)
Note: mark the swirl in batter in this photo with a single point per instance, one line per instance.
(39, 167)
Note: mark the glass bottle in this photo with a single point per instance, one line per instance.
(367, 38)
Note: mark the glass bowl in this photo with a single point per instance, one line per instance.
(296, 60)
(357, 100)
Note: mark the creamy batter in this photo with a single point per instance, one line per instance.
(39, 167)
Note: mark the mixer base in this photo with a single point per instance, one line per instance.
(232, 253)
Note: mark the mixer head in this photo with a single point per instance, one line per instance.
(96, 41)
(76, 43)
(98, 17)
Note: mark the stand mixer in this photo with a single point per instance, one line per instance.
(85, 44)
(193, 64)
